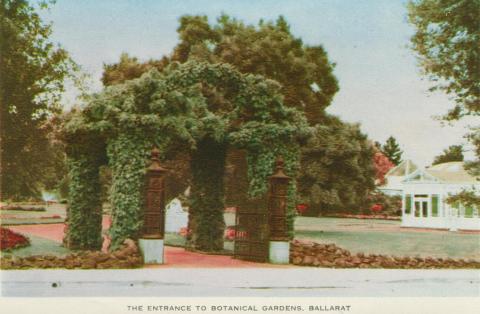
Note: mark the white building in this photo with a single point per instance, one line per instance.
(424, 194)
(176, 217)
(395, 176)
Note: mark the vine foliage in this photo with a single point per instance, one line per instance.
(198, 108)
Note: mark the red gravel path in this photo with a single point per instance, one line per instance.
(48, 231)
(174, 257)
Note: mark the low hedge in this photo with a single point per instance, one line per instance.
(23, 208)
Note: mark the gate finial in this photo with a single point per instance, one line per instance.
(155, 161)
(279, 173)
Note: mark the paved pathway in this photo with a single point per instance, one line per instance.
(52, 232)
(174, 256)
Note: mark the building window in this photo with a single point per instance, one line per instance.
(435, 206)
(421, 205)
(468, 211)
(417, 209)
(455, 209)
(425, 209)
(408, 204)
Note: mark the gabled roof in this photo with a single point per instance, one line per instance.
(450, 172)
(404, 168)
(420, 175)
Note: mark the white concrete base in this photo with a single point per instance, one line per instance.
(279, 252)
(152, 250)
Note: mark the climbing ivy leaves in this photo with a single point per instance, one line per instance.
(202, 109)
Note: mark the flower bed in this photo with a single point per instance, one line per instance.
(329, 255)
(51, 217)
(23, 208)
(380, 216)
(11, 240)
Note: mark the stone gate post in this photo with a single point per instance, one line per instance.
(152, 240)
(279, 246)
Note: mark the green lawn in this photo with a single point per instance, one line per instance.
(386, 237)
(39, 246)
(30, 221)
(367, 236)
(174, 239)
(21, 217)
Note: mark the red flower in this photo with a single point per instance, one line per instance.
(382, 166)
(376, 208)
(183, 231)
(230, 233)
(302, 208)
(11, 240)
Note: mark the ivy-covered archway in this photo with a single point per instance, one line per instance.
(200, 108)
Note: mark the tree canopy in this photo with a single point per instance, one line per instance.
(452, 153)
(446, 41)
(307, 82)
(392, 150)
(474, 166)
(32, 79)
(337, 170)
(382, 166)
(269, 49)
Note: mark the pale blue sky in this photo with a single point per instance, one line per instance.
(380, 84)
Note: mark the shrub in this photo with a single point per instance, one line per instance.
(385, 204)
(11, 240)
(23, 208)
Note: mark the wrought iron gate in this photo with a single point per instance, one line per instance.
(252, 232)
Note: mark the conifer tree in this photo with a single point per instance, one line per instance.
(392, 150)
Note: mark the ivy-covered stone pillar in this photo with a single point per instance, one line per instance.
(207, 196)
(84, 212)
(128, 156)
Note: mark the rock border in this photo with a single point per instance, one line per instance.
(303, 253)
(127, 256)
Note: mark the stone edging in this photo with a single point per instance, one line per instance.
(127, 256)
(304, 253)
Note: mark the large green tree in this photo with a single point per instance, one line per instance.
(446, 41)
(392, 150)
(308, 84)
(268, 49)
(32, 73)
(447, 44)
(452, 153)
(337, 171)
